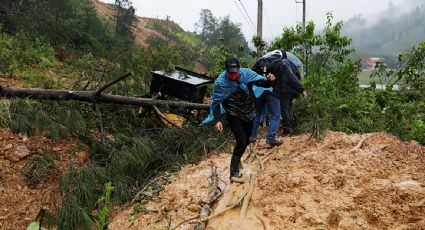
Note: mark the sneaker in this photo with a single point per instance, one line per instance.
(274, 142)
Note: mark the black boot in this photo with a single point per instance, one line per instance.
(234, 166)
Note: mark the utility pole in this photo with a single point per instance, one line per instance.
(260, 19)
(260, 23)
(304, 11)
(304, 68)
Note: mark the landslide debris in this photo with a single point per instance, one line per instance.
(371, 181)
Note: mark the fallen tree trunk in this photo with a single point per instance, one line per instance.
(92, 96)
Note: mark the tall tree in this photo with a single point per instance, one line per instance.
(125, 17)
(207, 27)
(232, 34)
(215, 32)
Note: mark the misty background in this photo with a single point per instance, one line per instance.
(378, 28)
(392, 31)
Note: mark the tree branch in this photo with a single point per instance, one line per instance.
(103, 88)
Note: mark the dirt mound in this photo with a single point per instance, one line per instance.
(20, 202)
(140, 28)
(374, 181)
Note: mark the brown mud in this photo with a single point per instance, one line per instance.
(336, 183)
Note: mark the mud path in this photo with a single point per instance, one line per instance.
(373, 181)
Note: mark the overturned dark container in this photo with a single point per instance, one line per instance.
(181, 83)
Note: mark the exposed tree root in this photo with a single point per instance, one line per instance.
(267, 157)
(249, 182)
(359, 145)
(260, 162)
(265, 226)
(252, 152)
(237, 203)
(247, 198)
(186, 221)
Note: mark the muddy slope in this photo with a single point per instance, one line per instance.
(306, 184)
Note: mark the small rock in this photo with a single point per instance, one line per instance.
(22, 151)
(24, 138)
(19, 187)
(406, 209)
(8, 147)
(194, 208)
(56, 149)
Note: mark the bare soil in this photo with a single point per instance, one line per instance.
(307, 184)
(20, 202)
(140, 31)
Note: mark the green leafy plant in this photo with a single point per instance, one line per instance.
(103, 203)
(44, 218)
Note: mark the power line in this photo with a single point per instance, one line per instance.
(268, 22)
(296, 12)
(244, 17)
(252, 23)
(308, 8)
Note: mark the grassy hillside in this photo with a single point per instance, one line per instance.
(148, 32)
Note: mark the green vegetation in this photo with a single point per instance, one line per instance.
(103, 202)
(218, 32)
(337, 103)
(88, 55)
(40, 168)
(64, 44)
(365, 77)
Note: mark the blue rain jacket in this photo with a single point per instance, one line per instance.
(224, 87)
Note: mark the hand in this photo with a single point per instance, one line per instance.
(219, 126)
(305, 95)
(271, 77)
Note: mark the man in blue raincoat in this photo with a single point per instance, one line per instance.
(233, 94)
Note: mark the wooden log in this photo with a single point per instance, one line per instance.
(213, 193)
(89, 96)
(205, 212)
(247, 198)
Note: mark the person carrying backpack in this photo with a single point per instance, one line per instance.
(286, 81)
(289, 93)
(233, 94)
(269, 100)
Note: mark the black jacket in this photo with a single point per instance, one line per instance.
(240, 104)
(286, 81)
(290, 84)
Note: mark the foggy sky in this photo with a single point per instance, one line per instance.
(277, 13)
